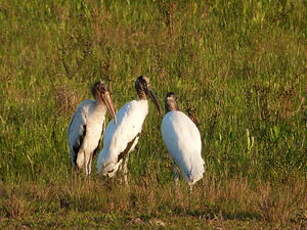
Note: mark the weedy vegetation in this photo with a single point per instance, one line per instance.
(239, 66)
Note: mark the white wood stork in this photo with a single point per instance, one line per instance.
(183, 141)
(85, 128)
(121, 137)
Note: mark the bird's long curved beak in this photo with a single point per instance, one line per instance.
(108, 102)
(153, 97)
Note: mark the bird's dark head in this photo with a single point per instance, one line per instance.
(102, 94)
(170, 102)
(143, 89)
(142, 85)
(99, 88)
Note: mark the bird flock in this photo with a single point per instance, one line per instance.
(86, 129)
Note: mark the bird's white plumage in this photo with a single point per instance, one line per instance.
(129, 122)
(183, 142)
(85, 131)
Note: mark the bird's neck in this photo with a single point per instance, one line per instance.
(141, 94)
(99, 105)
(143, 103)
(171, 107)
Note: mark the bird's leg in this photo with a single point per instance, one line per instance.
(125, 169)
(176, 175)
(176, 178)
(191, 188)
(87, 166)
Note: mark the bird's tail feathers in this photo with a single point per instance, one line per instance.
(196, 173)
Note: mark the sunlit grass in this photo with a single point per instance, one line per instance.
(239, 65)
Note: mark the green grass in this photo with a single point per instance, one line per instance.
(240, 65)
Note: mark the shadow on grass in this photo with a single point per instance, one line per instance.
(214, 213)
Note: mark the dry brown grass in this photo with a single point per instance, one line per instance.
(282, 203)
(212, 53)
(14, 203)
(66, 99)
(214, 201)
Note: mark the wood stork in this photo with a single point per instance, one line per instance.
(121, 137)
(183, 141)
(85, 128)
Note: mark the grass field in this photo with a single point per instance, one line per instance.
(240, 66)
